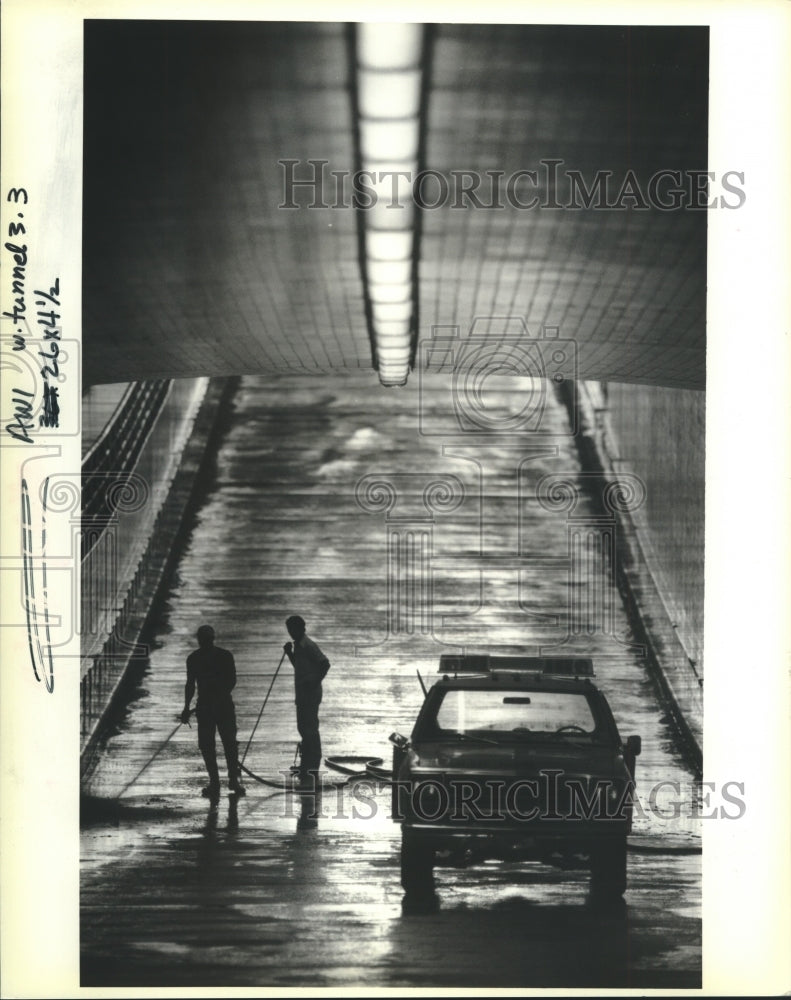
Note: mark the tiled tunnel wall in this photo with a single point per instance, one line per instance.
(661, 436)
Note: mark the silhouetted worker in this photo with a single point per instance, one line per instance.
(213, 670)
(310, 669)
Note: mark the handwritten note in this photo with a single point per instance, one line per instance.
(36, 357)
(36, 404)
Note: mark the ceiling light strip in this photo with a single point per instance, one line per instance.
(389, 81)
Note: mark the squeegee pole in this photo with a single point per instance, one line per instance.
(271, 685)
(151, 761)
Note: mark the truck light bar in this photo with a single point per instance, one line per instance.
(567, 666)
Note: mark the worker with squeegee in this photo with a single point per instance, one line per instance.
(213, 671)
(310, 668)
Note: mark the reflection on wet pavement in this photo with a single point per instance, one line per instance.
(286, 893)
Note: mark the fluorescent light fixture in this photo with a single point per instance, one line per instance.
(394, 365)
(390, 312)
(395, 369)
(393, 352)
(386, 46)
(389, 80)
(392, 216)
(388, 95)
(389, 140)
(392, 333)
(391, 180)
(383, 245)
(392, 376)
(390, 293)
(389, 272)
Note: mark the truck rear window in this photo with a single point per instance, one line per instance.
(464, 711)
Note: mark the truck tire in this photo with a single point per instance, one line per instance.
(608, 869)
(417, 866)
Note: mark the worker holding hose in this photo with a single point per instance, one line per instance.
(213, 671)
(310, 668)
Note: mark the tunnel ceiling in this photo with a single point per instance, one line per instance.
(191, 266)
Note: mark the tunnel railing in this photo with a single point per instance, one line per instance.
(126, 479)
(118, 447)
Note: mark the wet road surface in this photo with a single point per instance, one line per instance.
(278, 890)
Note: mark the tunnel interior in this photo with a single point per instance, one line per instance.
(546, 437)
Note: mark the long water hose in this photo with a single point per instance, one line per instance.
(371, 769)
